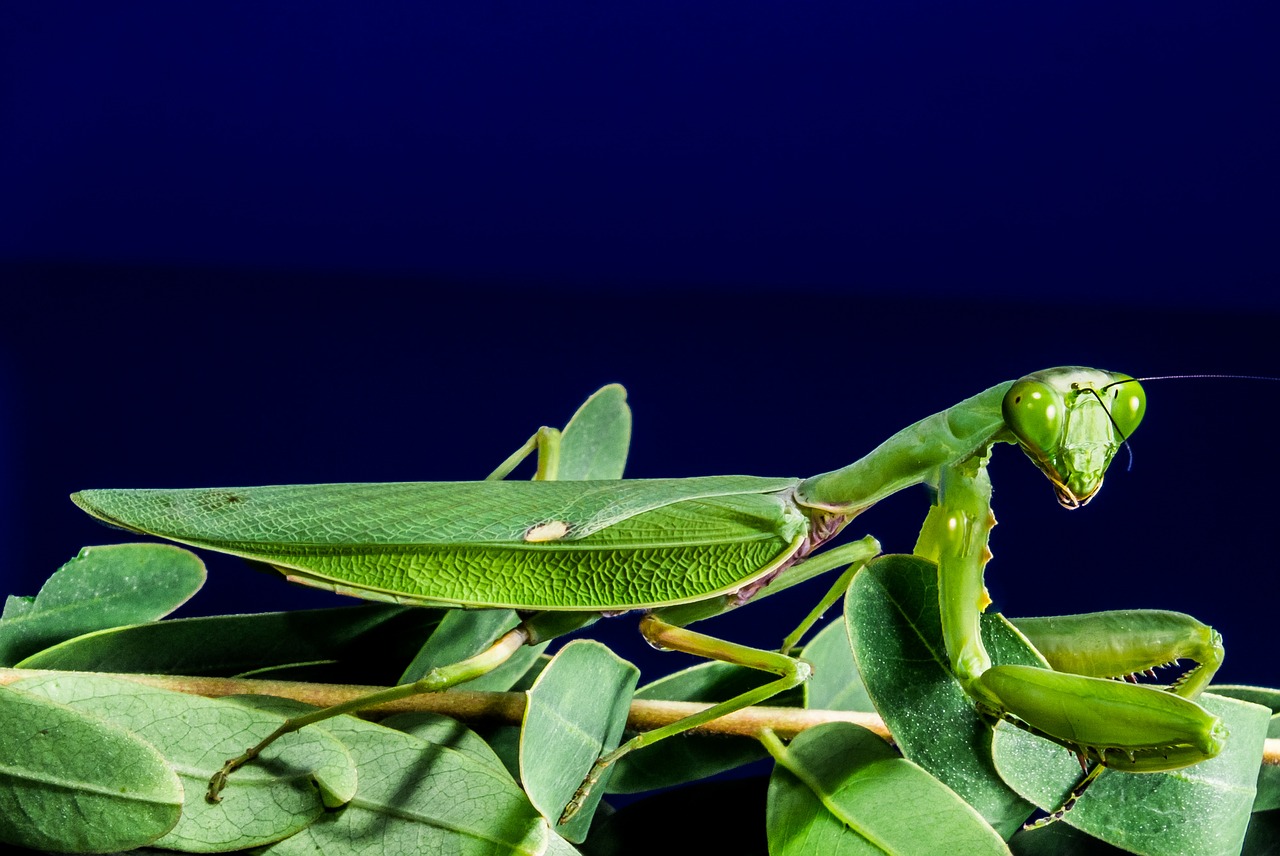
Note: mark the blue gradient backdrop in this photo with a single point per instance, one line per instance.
(244, 244)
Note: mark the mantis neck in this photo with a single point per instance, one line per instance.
(915, 455)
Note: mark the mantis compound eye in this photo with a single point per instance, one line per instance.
(1035, 413)
(1127, 402)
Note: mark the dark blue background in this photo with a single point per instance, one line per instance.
(247, 245)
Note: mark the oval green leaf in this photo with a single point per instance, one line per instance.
(593, 446)
(415, 796)
(463, 633)
(264, 801)
(1263, 838)
(1268, 796)
(576, 712)
(71, 782)
(346, 644)
(694, 756)
(101, 587)
(836, 683)
(893, 621)
(1196, 811)
(1059, 839)
(839, 789)
(444, 731)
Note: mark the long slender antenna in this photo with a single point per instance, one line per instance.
(1124, 439)
(1189, 376)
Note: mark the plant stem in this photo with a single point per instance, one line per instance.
(491, 707)
(646, 715)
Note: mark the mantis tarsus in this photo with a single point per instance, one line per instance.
(680, 550)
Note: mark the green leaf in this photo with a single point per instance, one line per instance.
(1059, 839)
(464, 633)
(893, 621)
(557, 846)
(694, 756)
(530, 677)
(443, 731)
(511, 674)
(101, 587)
(1263, 838)
(268, 799)
(836, 683)
(1268, 775)
(576, 712)
(343, 643)
(839, 789)
(70, 782)
(723, 813)
(504, 740)
(16, 606)
(594, 444)
(1202, 809)
(1265, 696)
(418, 797)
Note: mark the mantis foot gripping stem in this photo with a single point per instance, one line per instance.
(666, 636)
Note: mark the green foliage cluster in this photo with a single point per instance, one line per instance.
(96, 762)
(93, 760)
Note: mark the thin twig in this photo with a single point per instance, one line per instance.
(645, 714)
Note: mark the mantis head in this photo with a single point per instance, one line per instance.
(1070, 421)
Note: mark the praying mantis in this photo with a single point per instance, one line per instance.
(566, 552)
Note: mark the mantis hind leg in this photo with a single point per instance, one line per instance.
(546, 442)
(791, 672)
(535, 629)
(434, 681)
(593, 445)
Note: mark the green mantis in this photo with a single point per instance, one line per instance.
(565, 552)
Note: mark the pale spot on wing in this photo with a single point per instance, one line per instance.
(552, 530)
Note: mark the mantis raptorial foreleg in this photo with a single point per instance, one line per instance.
(1127, 643)
(1077, 706)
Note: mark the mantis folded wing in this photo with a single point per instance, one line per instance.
(684, 549)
